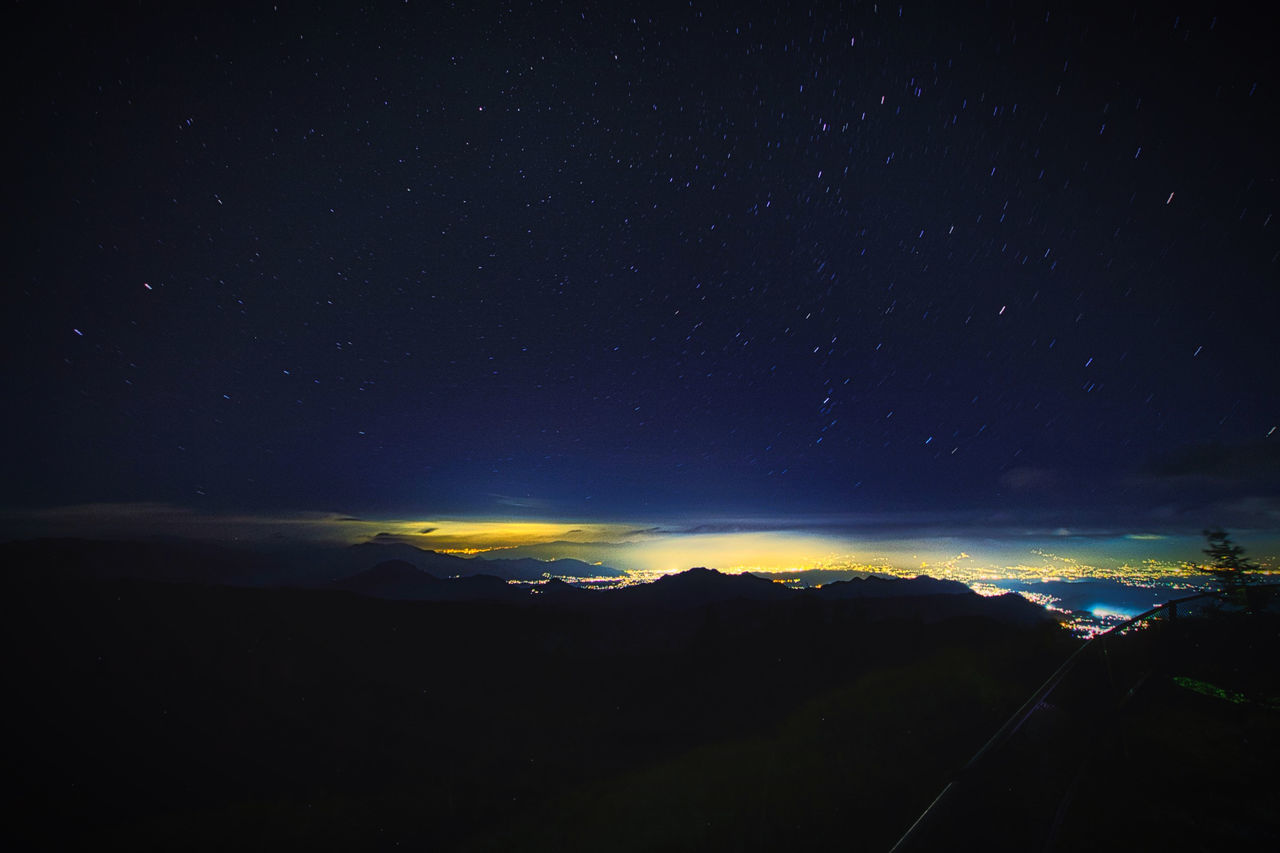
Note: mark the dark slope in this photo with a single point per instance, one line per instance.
(193, 562)
(161, 714)
(166, 715)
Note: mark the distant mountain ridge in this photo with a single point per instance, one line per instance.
(448, 565)
(878, 587)
(390, 579)
(382, 571)
(306, 565)
(700, 586)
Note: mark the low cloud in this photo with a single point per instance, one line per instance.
(132, 520)
(1245, 463)
(1029, 479)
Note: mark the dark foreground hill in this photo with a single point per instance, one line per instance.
(162, 715)
(150, 715)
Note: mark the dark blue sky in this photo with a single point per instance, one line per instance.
(556, 260)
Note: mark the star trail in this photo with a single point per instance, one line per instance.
(1015, 264)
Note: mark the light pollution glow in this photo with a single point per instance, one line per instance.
(975, 554)
(646, 551)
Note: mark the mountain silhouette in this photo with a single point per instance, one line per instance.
(401, 580)
(391, 579)
(447, 565)
(293, 565)
(532, 569)
(557, 592)
(877, 587)
(701, 586)
(153, 714)
(477, 588)
(396, 570)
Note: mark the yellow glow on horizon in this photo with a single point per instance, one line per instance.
(649, 547)
(451, 535)
(474, 536)
(733, 553)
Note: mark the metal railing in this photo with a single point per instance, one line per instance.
(1036, 701)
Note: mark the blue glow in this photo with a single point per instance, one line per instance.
(1113, 611)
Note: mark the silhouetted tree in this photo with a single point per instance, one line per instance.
(1230, 566)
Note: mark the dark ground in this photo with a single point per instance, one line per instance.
(189, 716)
(1165, 737)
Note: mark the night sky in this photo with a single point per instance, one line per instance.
(967, 261)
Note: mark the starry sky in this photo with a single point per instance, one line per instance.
(966, 263)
